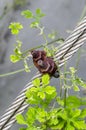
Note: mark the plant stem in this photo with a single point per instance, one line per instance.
(42, 45)
(60, 87)
(46, 42)
(65, 95)
(11, 73)
(65, 88)
(14, 72)
(83, 12)
(78, 59)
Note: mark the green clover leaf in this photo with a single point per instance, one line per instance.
(15, 28)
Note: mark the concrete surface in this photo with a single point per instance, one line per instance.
(61, 15)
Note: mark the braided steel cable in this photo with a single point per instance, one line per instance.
(70, 46)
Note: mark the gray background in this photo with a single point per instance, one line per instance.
(61, 15)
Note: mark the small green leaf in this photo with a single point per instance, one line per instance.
(41, 95)
(80, 82)
(23, 129)
(60, 40)
(83, 113)
(69, 127)
(60, 101)
(27, 14)
(14, 58)
(52, 35)
(41, 115)
(72, 69)
(17, 51)
(50, 90)
(34, 24)
(54, 121)
(31, 115)
(33, 100)
(63, 114)
(30, 95)
(59, 126)
(76, 113)
(73, 101)
(31, 112)
(39, 13)
(83, 85)
(15, 28)
(79, 125)
(36, 82)
(20, 119)
(76, 88)
(34, 89)
(45, 79)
